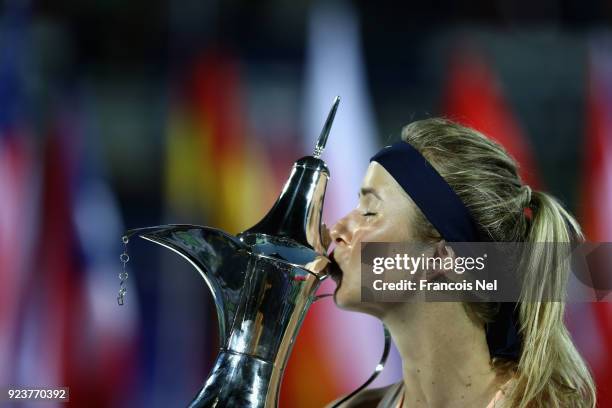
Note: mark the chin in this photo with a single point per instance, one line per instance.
(350, 300)
(346, 301)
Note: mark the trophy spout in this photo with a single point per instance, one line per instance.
(261, 301)
(220, 258)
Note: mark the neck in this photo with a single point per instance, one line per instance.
(445, 357)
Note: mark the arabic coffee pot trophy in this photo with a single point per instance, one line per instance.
(262, 281)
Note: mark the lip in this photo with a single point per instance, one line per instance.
(335, 271)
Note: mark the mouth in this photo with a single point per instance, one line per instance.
(334, 269)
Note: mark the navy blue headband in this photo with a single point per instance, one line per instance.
(451, 218)
(430, 192)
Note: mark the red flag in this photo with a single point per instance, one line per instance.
(474, 98)
(17, 208)
(51, 288)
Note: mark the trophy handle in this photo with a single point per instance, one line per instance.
(221, 259)
(379, 367)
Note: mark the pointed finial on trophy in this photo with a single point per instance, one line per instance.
(326, 129)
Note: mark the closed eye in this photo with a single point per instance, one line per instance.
(368, 214)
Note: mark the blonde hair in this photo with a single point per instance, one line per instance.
(550, 372)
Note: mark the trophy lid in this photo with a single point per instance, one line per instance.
(291, 230)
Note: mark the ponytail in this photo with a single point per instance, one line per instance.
(550, 372)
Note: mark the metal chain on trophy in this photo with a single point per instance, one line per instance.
(123, 275)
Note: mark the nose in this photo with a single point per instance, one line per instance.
(340, 232)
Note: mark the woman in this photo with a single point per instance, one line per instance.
(462, 354)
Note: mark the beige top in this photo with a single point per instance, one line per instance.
(394, 397)
(497, 399)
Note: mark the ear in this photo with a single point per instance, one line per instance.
(443, 251)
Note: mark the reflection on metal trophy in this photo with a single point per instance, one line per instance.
(262, 282)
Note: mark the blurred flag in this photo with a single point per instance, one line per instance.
(593, 326)
(110, 334)
(474, 97)
(71, 332)
(18, 181)
(17, 210)
(596, 215)
(43, 353)
(57, 323)
(335, 350)
(217, 174)
(216, 168)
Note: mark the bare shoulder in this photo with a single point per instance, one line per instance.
(368, 398)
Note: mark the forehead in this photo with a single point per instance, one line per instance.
(379, 179)
(393, 196)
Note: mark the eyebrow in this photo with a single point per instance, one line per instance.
(366, 191)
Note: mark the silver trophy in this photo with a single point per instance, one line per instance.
(262, 281)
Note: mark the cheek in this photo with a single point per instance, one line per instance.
(373, 228)
(387, 229)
